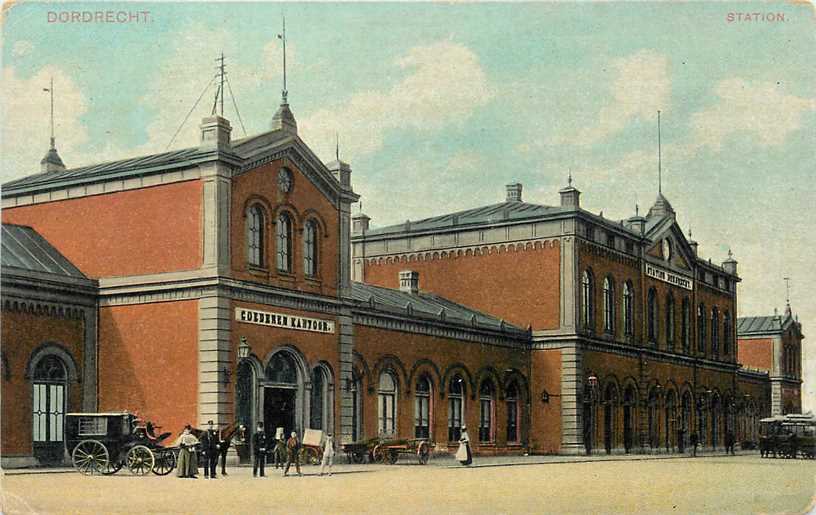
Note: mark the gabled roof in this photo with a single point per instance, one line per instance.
(24, 248)
(493, 213)
(429, 306)
(754, 325)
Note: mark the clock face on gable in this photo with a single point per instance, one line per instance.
(667, 249)
(284, 180)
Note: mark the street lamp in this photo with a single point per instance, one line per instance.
(243, 349)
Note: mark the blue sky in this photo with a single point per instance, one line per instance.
(439, 105)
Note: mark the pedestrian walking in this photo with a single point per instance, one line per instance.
(463, 454)
(328, 454)
(211, 446)
(694, 442)
(729, 442)
(279, 454)
(259, 452)
(187, 466)
(292, 454)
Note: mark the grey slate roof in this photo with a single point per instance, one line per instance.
(765, 324)
(121, 168)
(427, 305)
(504, 211)
(25, 248)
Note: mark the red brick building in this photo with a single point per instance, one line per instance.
(215, 283)
(633, 343)
(185, 255)
(773, 344)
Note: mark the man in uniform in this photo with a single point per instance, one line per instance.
(259, 446)
(210, 445)
(292, 454)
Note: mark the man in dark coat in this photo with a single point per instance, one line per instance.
(729, 442)
(210, 446)
(694, 441)
(259, 450)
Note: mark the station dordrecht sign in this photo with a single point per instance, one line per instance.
(316, 325)
(669, 277)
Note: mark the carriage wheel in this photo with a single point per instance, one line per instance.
(378, 454)
(112, 468)
(140, 460)
(90, 457)
(392, 456)
(358, 457)
(424, 453)
(165, 462)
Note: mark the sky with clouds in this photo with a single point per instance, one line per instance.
(438, 106)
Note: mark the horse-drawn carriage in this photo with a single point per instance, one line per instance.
(104, 443)
(788, 436)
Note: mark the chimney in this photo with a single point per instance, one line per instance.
(570, 197)
(215, 133)
(341, 172)
(636, 223)
(359, 223)
(730, 264)
(409, 281)
(514, 192)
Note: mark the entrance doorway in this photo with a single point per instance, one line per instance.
(279, 410)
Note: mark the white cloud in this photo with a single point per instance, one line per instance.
(761, 109)
(180, 78)
(22, 48)
(25, 129)
(639, 88)
(443, 84)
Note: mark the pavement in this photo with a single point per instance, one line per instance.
(447, 460)
(715, 484)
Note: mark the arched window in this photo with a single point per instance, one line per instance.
(422, 408)
(670, 322)
(587, 300)
(255, 235)
(49, 398)
(456, 400)
(685, 324)
(284, 231)
(245, 393)
(651, 312)
(387, 404)
(319, 406)
(628, 308)
(282, 370)
(511, 398)
(715, 331)
(609, 305)
(701, 328)
(727, 330)
(310, 248)
(487, 395)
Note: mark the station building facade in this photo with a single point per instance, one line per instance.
(213, 283)
(633, 335)
(229, 281)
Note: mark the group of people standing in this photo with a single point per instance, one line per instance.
(210, 444)
(290, 448)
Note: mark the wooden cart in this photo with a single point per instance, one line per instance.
(388, 451)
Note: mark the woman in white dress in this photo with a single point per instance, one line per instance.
(328, 454)
(463, 454)
(187, 466)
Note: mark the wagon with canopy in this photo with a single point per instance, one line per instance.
(104, 443)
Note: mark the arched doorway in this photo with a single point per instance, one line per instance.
(670, 421)
(356, 407)
(685, 421)
(610, 403)
(320, 399)
(282, 394)
(653, 426)
(50, 393)
(629, 405)
(715, 421)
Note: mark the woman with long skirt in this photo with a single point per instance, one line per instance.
(464, 454)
